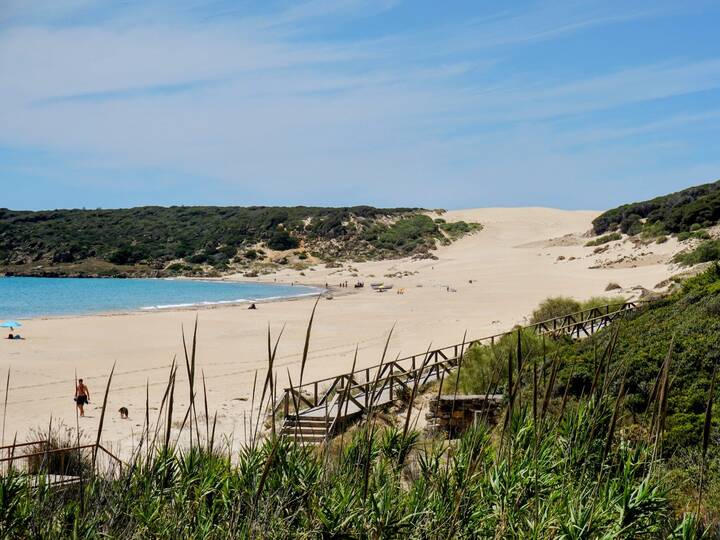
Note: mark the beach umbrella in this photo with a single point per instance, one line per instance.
(11, 324)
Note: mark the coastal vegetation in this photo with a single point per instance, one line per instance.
(550, 477)
(706, 251)
(684, 211)
(165, 241)
(604, 239)
(683, 327)
(558, 306)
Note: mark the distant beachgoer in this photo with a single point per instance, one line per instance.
(82, 396)
(10, 336)
(123, 413)
(252, 306)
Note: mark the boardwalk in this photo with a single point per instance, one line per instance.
(325, 405)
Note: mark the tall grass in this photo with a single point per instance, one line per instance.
(556, 482)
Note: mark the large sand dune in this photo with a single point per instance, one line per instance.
(514, 262)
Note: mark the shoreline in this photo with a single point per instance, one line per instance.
(200, 305)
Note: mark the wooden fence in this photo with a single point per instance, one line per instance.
(57, 462)
(398, 375)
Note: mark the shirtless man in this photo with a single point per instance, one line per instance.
(82, 396)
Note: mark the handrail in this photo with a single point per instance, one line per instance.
(626, 306)
(623, 304)
(17, 445)
(597, 318)
(14, 457)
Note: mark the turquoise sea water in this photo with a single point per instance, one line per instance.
(22, 298)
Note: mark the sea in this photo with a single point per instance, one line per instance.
(30, 297)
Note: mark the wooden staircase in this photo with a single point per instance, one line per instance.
(307, 430)
(315, 411)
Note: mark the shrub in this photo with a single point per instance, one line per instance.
(699, 234)
(601, 301)
(126, 255)
(556, 306)
(706, 251)
(652, 230)
(281, 240)
(604, 239)
(55, 455)
(198, 258)
(484, 367)
(458, 229)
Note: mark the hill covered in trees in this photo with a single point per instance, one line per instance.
(206, 240)
(690, 209)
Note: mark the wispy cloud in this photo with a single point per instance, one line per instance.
(260, 99)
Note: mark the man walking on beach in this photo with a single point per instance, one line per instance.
(82, 396)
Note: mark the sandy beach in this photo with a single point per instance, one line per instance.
(520, 257)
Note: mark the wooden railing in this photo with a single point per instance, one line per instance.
(392, 375)
(11, 459)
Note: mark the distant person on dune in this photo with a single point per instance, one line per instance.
(82, 396)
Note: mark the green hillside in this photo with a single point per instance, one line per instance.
(197, 240)
(683, 211)
(685, 326)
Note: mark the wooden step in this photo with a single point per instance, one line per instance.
(304, 429)
(306, 438)
(317, 423)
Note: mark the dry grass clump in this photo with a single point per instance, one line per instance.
(54, 452)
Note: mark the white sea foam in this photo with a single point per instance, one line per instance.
(228, 302)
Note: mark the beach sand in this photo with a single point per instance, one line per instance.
(521, 256)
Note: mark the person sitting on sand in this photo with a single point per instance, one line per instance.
(252, 306)
(82, 396)
(10, 336)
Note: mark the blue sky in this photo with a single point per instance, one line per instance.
(574, 104)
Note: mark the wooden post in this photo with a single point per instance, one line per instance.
(286, 404)
(315, 393)
(392, 380)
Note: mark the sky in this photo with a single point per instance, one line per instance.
(435, 104)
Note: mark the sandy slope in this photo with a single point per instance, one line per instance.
(513, 264)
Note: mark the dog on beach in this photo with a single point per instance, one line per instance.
(123, 413)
